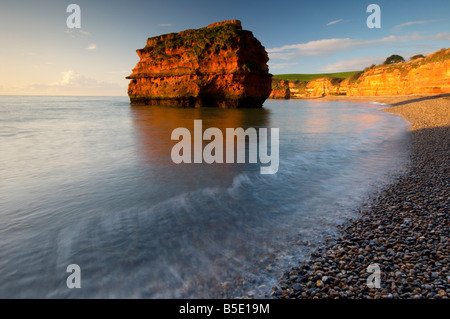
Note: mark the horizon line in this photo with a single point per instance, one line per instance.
(63, 95)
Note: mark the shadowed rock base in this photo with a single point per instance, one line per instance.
(199, 102)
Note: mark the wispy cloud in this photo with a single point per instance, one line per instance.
(442, 36)
(410, 23)
(73, 82)
(352, 65)
(70, 77)
(334, 22)
(92, 46)
(329, 46)
(86, 33)
(73, 79)
(77, 33)
(311, 48)
(281, 65)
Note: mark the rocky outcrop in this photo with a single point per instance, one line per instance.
(430, 74)
(283, 89)
(297, 88)
(220, 65)
(323, 86)
(280, 89)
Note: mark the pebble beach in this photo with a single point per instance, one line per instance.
(403, 231)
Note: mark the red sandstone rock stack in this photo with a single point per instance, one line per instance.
(220, 65)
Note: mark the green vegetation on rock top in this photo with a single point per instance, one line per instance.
(309, 77)
(197, 44)
(196, 40)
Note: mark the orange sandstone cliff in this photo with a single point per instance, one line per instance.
(280, 89)
(430, 74)
(220, 65)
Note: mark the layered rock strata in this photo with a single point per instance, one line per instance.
(427, 75)
(221, 65)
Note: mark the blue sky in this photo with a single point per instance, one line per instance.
(40, 55)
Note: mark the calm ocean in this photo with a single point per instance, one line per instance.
(90, 181)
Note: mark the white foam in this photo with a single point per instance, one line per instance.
(378, 103)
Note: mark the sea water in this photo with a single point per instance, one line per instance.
(90, 181)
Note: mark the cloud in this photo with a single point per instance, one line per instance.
(92, 46)
(72, 83)
(84, 32)
(329, 46)
(352, 65)
(410, 23)
(334, 22)
(71, 77)
(281, 65)
(75, 79)
(442, 36)
(311, 48)
(77, 33)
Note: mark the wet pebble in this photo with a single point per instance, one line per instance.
(404, 230)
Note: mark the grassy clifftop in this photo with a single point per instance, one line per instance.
(420, 75)
(309, 77)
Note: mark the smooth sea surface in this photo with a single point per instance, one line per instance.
(90, 181)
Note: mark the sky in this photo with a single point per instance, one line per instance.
(40, 55)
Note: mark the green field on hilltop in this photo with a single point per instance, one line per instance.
(309, 77)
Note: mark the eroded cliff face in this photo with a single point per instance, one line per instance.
(323, 87)
(430, 74)
(421, 76)
(280, 89)
(220, 65)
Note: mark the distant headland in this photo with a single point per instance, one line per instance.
(421, 75)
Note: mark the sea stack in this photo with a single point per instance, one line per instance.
(220, 65)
